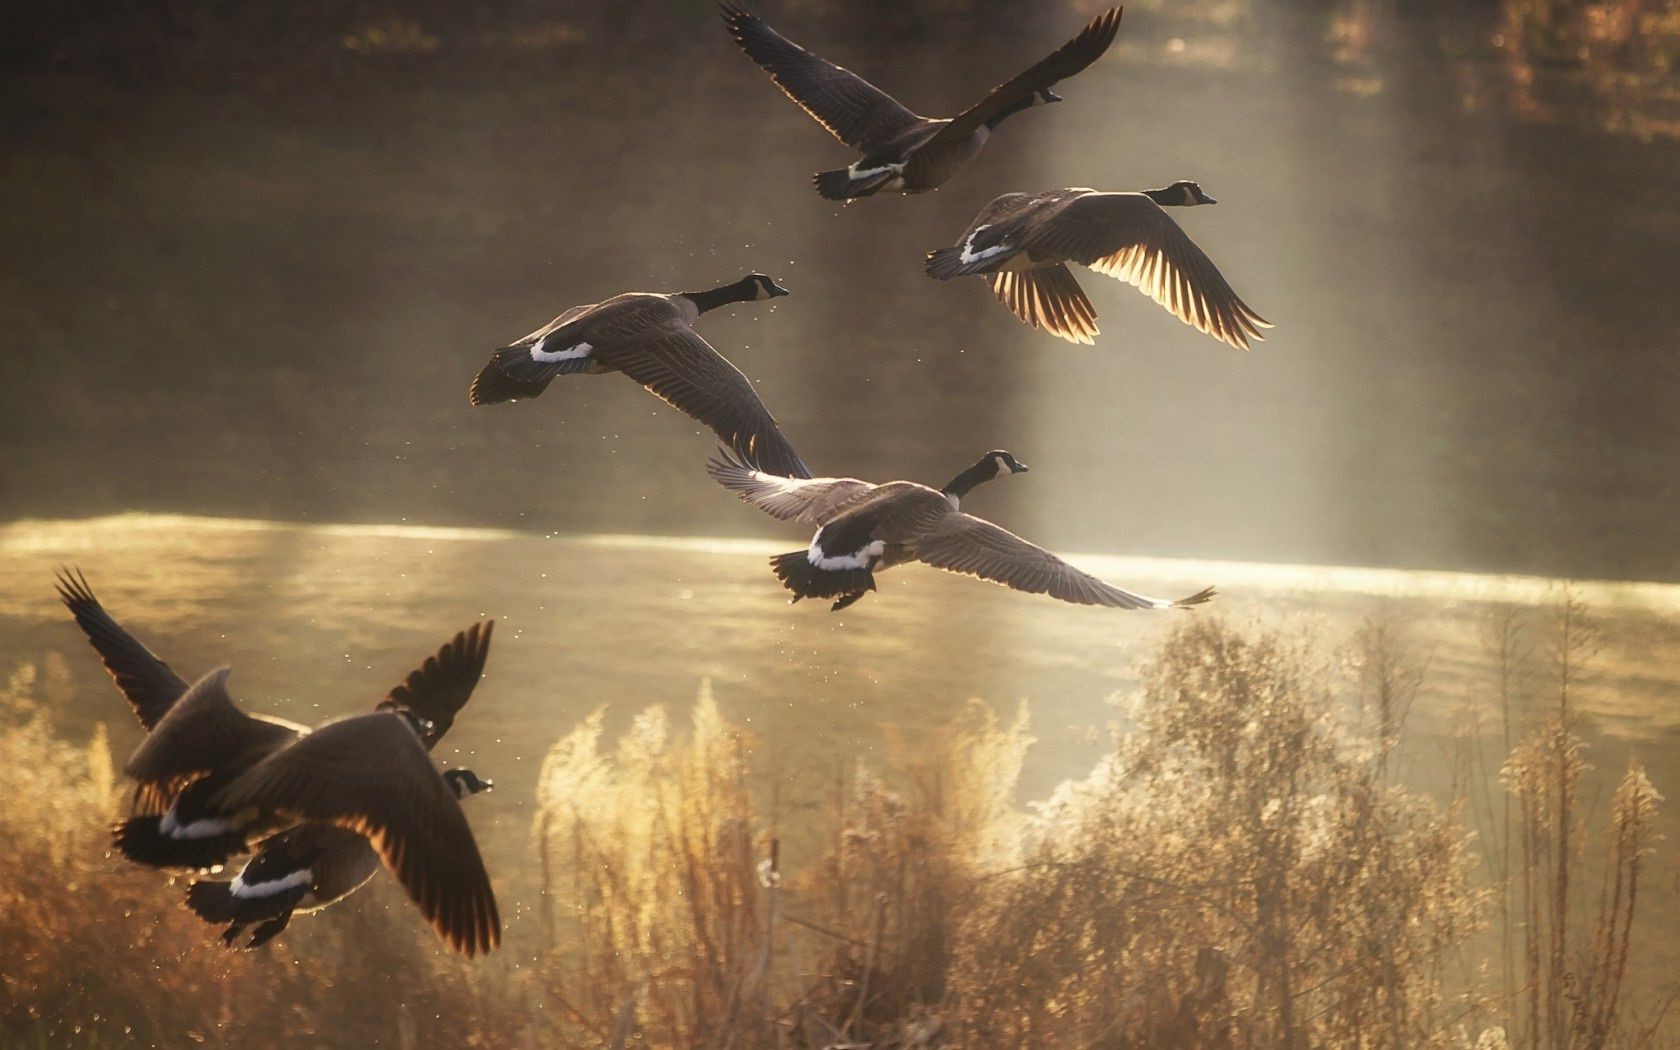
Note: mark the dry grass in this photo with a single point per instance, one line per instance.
(1238, 871)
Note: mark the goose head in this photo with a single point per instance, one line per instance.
(754, 287)
(1182, 194)
(994, 464)
(1044, 96)
(465, 783)
(764, 287)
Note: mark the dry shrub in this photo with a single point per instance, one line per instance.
(1227, 877)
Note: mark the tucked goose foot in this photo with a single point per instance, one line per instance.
(845, 600)
(231, 934)
(268, 931)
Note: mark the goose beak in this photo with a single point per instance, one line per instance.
(1051, 96)
(1208, 200)
(777, 290)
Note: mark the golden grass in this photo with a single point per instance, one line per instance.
(1239, 870)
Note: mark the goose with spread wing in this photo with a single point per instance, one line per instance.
(650, 337)
(865, 528)
(308, 867)
(901, 151)
(199, 743)
(1021, 244)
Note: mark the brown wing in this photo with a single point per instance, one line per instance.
(853, 110)
(145, 681)
(976, 547)
(202, 732)
(370, 774)
(1129, 236)
(683, 370)
(442, 685)
(1050, 299)
(813, 500)
(1064, 62)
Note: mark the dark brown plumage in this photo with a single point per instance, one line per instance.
(1021, 241)
(146, 682)
(864, 529)
(202, 748)
(900, 150)
(371, 774)
(650, 338)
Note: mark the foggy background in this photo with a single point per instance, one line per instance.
(254, 258)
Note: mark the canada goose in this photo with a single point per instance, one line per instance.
(200, 744)
(649, 336)
(306, 868)
(371, 774)
(302, 869)
(901, 151)
(1022, 242)
(865, 528)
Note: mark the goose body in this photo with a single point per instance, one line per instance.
(863, 529)
(301, 870)
(650, 337)
(1021, 244)
(211, 777)
(900, 151)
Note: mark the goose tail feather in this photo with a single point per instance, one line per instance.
(141, 840)
(805, 580)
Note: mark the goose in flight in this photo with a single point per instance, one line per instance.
(864, 528)
(385, 800)
(900, 151)
(1022, 242)
(650, 337)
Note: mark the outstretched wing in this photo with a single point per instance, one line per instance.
(204, 731)
(683, 370)
(976, 547)
(1070, 58)
(370, 774)
(1130, 237)
(441, 686)
(144, 680)
(813, 500)
(853, 110)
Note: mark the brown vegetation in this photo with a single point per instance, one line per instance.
(1238, 871)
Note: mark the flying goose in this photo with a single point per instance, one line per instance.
(306, 868)
(199, 743)
(371, 775)
(865, 528)
(1022, 243)
(302, 869)
(649, 336)
(901, 151)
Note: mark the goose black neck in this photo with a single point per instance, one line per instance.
(1171, 197)
(1016, 107)
(963, 483)
(740, 291)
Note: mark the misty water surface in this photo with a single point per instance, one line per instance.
(254, 277)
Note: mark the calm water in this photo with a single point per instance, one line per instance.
(255, 280)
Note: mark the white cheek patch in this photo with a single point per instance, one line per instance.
(539, 352)
(969, 256)
(862, 559)
(252, 890)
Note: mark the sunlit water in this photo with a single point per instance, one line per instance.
(318, 621)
